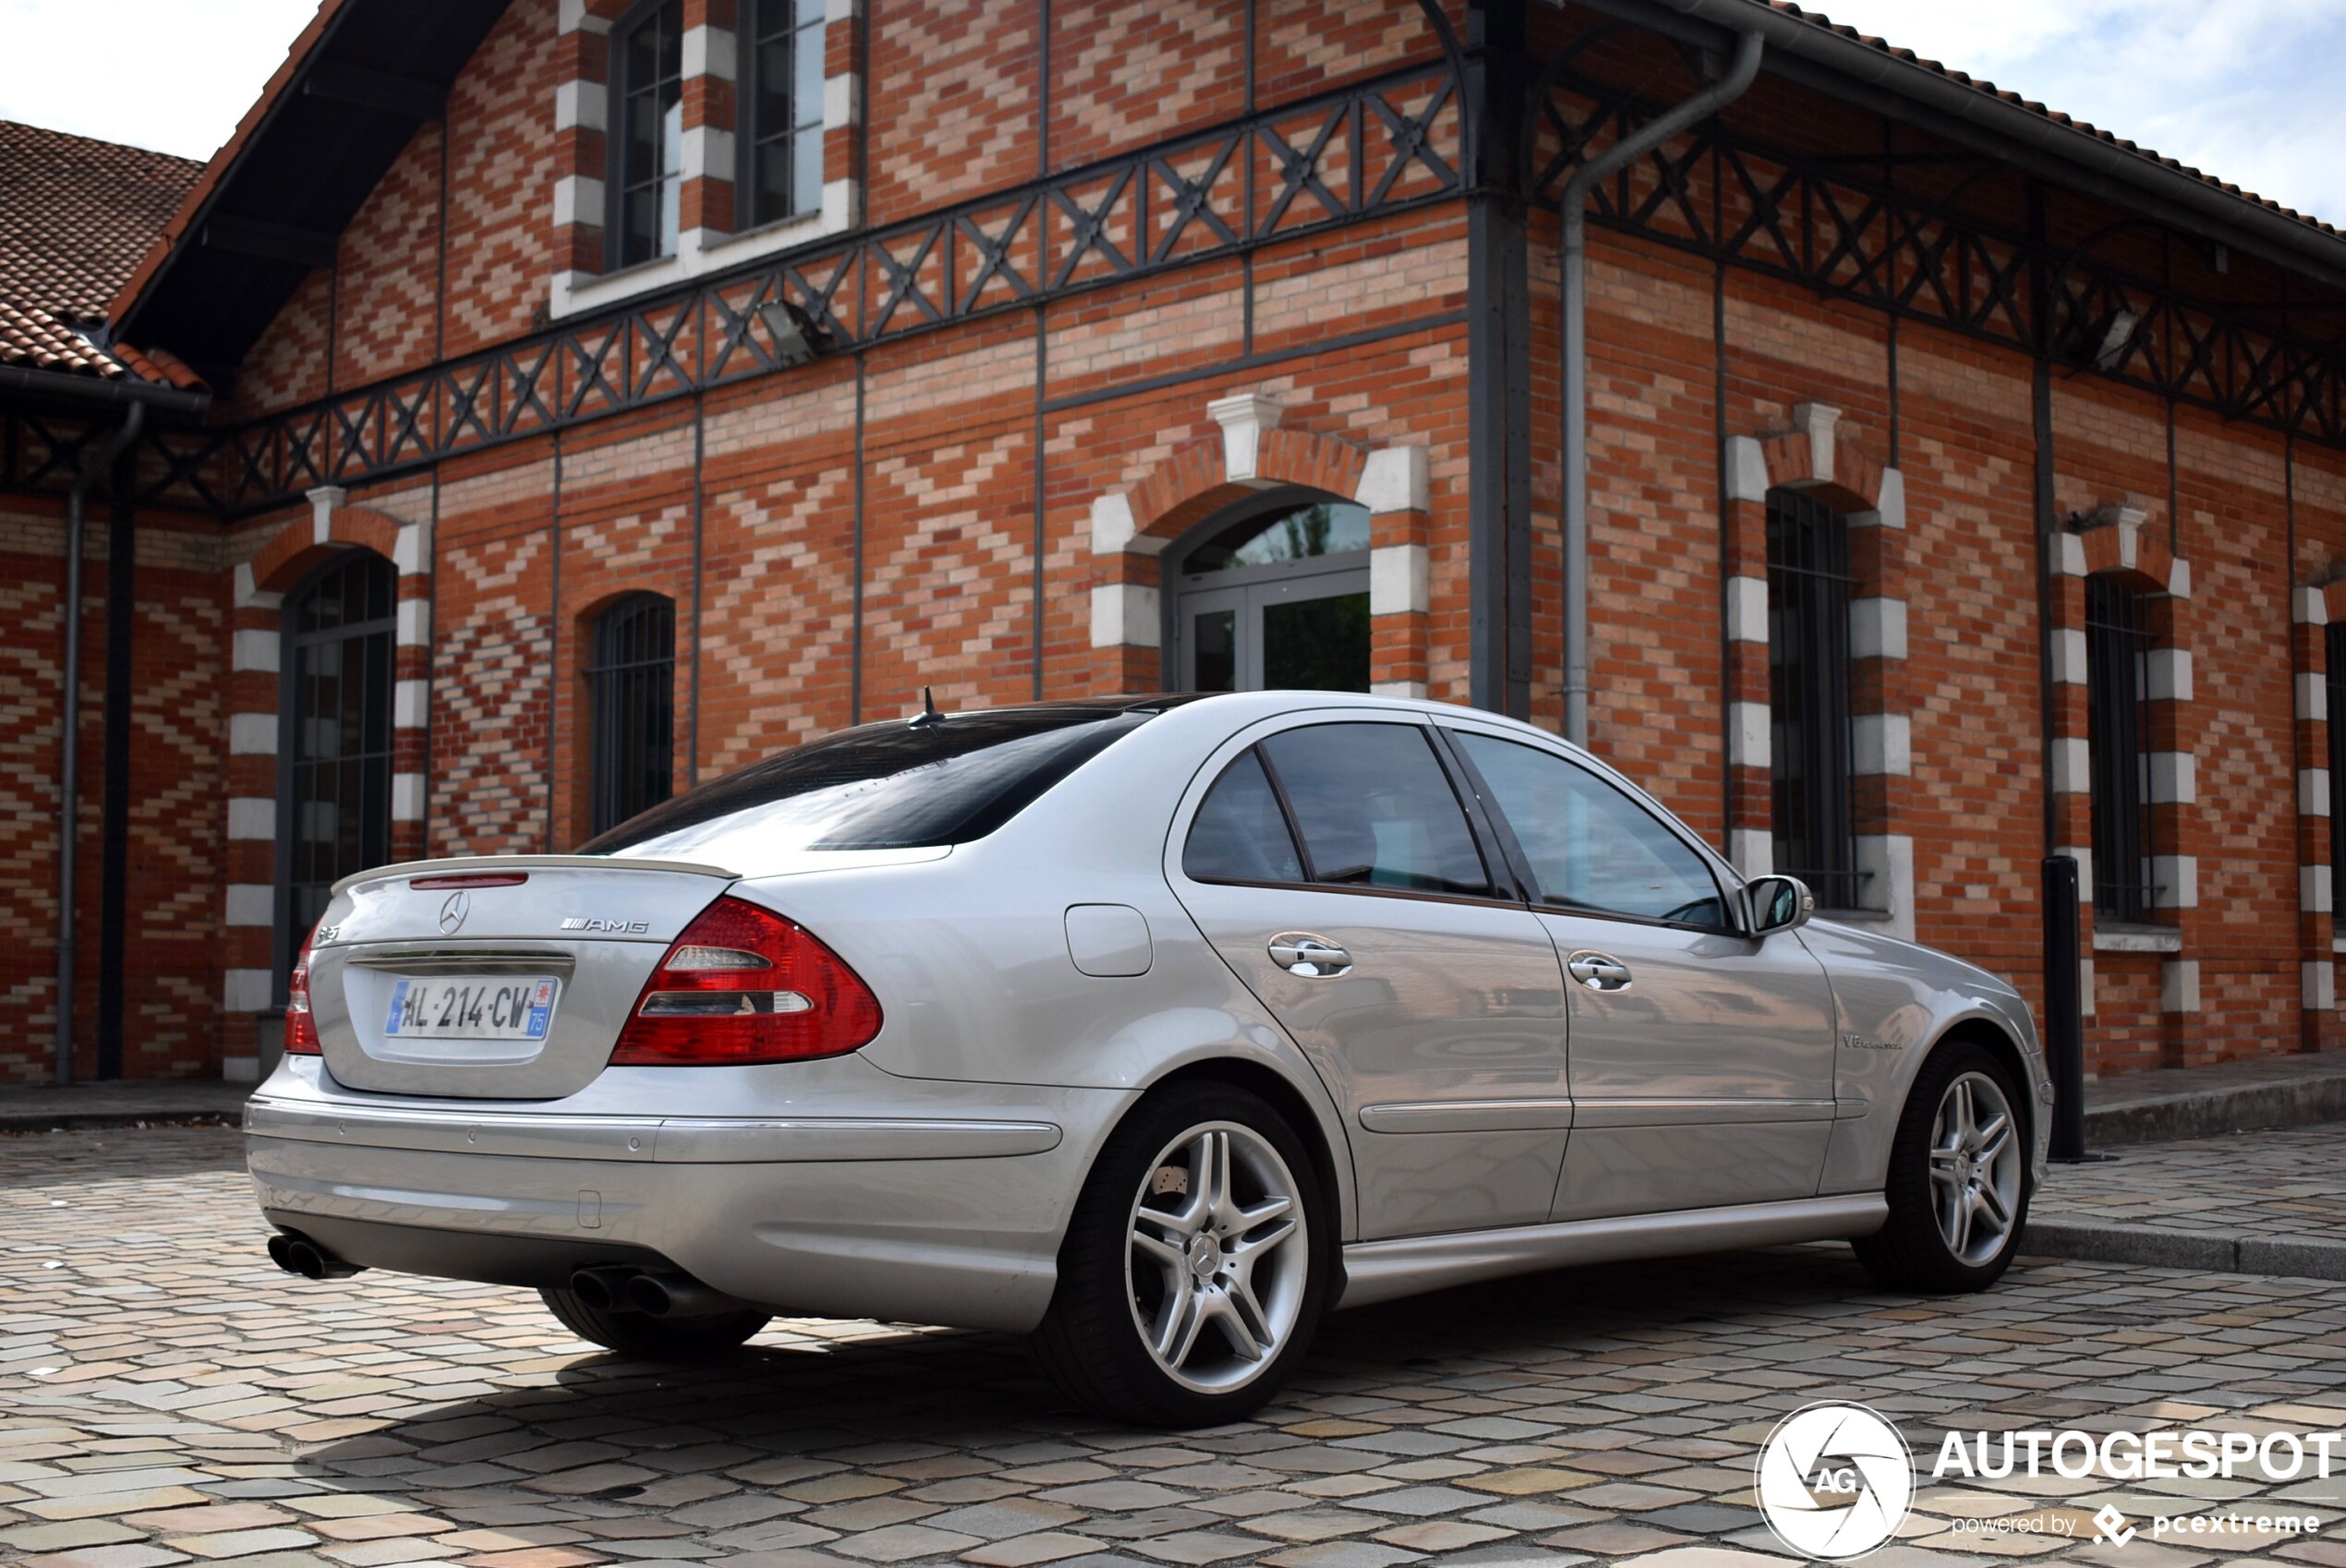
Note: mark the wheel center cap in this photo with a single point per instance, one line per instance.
(1205, 1257)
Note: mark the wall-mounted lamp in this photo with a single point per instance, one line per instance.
(797, 338)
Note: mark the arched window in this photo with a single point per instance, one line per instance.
(646, 160)
(1810, 744)
(632, 684)
(780, 117)
(1276, 596)
(334, 761)
(2120, 634)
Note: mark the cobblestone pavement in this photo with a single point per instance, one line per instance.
(166, 1396)
(2246, 1184)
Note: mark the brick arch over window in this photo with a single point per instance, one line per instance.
(1130, 529)
(283, 562)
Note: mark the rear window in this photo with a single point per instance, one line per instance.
(882, 787)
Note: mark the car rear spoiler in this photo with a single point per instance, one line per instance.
(528, 863)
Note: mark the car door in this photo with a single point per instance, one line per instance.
(1702, 1059)
(1338, 868)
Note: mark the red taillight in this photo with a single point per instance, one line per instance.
(301, 1025)
(744, 985)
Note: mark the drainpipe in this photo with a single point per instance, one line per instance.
(69, 739)
(1574, 210)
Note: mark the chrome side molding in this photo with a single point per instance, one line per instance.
(1384, 1270)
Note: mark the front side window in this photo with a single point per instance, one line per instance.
(1809, 748)
(1588, 846)
(649, 157)
(336, 782)
(2117, 641)
(632, 686)
(1373, 808)
(782, 95)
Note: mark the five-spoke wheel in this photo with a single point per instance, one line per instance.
(1195, 1269)
(1958, 1186)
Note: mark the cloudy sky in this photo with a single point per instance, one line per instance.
(2244, 88)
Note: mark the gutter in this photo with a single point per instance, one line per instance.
(69, 737)
(1574, 205)
(53, 386)
(1814, 56)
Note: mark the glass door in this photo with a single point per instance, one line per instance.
(1277, 601)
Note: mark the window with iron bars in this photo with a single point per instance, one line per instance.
(648, 135)
(631, 690)
(2334, 678)
(782, 111)
(1810, 753)
(2119, 637)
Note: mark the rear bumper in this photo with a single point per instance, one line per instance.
(938, 1219)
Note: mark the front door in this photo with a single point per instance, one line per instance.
(1336, 870)
(1277, 601)
(1701, 1060)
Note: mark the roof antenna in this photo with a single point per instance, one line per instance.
(928, 714)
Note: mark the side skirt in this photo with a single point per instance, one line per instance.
(1383, 1271)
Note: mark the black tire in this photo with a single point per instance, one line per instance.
(1092, 1344)
(1911, 1251)
(654, 1339)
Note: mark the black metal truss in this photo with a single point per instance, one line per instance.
(1367, 151)
(1829, 224)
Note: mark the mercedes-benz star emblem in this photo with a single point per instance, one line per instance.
(452, 912)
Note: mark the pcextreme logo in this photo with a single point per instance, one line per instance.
(1834, 1480)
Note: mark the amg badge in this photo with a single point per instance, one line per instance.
(617, 927)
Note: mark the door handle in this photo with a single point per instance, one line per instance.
(1312, 956)
(1597, 971)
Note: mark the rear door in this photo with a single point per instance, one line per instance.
(430, 980)
(1337, 868)
(1702, 1060)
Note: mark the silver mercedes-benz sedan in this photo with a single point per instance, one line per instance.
(1153, 1028)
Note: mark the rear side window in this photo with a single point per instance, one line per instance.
(1589, 846)
(882, 787)
(1241, 833)
(1374, 809)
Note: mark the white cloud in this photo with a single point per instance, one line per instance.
(172, 74)
(2245, 90)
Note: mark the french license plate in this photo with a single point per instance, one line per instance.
(478, 1008)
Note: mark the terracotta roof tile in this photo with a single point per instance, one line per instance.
(76, 215)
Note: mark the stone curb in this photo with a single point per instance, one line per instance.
(2298, 1257)
(2213, 1112)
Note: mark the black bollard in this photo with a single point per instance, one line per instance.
(2064, 1013)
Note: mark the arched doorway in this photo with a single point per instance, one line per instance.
(334, 753)
(1272, 595)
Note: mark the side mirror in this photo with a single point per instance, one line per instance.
(1778, 903)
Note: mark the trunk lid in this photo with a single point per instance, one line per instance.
(407, 952)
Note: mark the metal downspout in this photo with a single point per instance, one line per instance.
(1573, 203)
(69, 738)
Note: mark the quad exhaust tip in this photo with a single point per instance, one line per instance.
(616, 1288)
(297, 1254)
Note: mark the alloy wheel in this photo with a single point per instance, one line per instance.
(1975, 1168)
(1218, 1257)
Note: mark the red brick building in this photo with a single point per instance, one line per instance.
(604, 395)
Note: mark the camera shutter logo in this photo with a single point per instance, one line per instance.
(1834, 1480)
